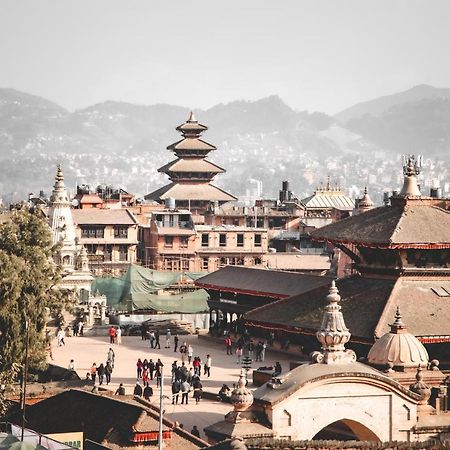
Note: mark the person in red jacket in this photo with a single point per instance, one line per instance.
(112, 335)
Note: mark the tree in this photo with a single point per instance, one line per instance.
(28, 278)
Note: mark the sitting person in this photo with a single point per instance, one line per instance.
(277, 370)
(224, 393)
(120, 390)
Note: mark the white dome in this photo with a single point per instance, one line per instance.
(398, 348)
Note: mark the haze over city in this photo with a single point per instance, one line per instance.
(322, 56)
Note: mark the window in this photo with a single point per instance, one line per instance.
(205, 263)
(257, 240)
(205, 240)
(123, 253)
(240, 240)
(120, 232)
(92, 231)
(168, 241)
(184, 241)
(222, 240)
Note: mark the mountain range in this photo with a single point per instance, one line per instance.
(264, 140)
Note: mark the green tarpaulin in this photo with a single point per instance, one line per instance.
(138, 288)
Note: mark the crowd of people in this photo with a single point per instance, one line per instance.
(102, 372)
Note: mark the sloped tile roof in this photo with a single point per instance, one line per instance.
(191, 165)
(96, 216)
(190, 191)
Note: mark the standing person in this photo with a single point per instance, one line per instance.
(71, 365)
(229, 345)
(207, 368)
(110, 357)
(139, 366)
(143, 331)
(60, 336)
(198, 391)
(168, 336)
(93, 372)
(185, 388)
(108, 372)
(151, 368)
(80, 328)
(174, 371)
(196, 364)
(137, 389)
(75, 328)
(112, 335)
(176, 387)
(251, 349)
(190, 353)
(157, 344)
(158, 376)
(118, 335)
(183, 351)
(263, 351)
(101, 373)
(175, 342)
(145, 374)
(239, 352)
(148, 392)
(152, 339)
(258, 349)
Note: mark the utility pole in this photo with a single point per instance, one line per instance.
(161, 410)
(24, 380)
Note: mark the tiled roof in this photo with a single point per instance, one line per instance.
(329, 199)
(191, 165)
(190, 191)
(94, 216)
(368, 306)
(413, 223)
(297, 261)
(362, 300)
(191, 144)
(273, 283)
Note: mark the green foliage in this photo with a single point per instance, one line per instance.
(27, 280)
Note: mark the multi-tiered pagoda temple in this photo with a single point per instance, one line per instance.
(191, 173)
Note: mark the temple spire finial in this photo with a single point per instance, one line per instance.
(411, 168)
(333, 333)
(192, 117)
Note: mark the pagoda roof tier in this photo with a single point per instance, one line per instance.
(411, 225)
(191, 191)
(191, 165)
(368, 305)
(187, 144)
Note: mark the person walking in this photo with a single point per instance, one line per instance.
(175, 342)
(145, 375)
(251, 349)
(143, 331)
(168, 336)
(185, 388)
(197, 364)
(158, 376)
(176, 387)
(137, 389)
(190, 353)
(207, 367)
(263, 351)
(239, 352)
(101, 373)
(118, 336)
(148, 391)
(93, 372)
(108, 372)
(157, 344)
(75, 328)
(60, 336)
(151, 336)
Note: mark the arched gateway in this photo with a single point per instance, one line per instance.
(346, 430)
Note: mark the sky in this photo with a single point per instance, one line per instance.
(316, 55)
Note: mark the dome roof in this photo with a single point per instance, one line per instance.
(398, 348)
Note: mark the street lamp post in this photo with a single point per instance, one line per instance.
(24, 378)
(161, 410)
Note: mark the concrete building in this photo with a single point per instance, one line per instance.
(110, 238)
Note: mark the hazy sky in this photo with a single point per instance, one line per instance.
(317, 55)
